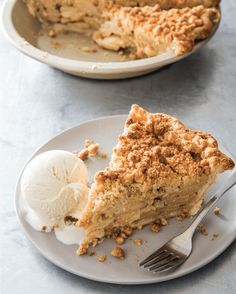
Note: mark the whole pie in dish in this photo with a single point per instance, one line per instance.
(159, 169)
(143, 27)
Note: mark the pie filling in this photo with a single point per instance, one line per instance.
(143, 27)
(149, 31)
(159, 169)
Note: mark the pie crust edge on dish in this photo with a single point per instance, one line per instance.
(159, 169)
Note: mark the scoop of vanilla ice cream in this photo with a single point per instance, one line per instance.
(54, 185)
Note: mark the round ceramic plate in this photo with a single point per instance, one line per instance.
(105, 131)
(63, 52)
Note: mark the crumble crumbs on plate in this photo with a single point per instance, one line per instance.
(101, 258)
(138, 242)
(215, 236)
(118, 253)
(155, 228)
(43, 228)
(216, 211)
(203, 230)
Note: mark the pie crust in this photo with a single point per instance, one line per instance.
(159, 169)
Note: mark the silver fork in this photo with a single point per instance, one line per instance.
(178, 249)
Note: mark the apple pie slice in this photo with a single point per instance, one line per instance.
(148, 31)
(159, 169)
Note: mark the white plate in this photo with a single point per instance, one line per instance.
(22, 30)
(105, 132)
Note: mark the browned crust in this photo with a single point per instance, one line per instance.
(157, 147)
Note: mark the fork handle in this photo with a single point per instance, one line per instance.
(203, 212)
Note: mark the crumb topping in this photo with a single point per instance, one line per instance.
(120, 240)
(215, 236)
(83, 154)
(155, 228)
(203, 230)
(103, 155)
(43, 228)
(216, 211)
(160, 146)
(138, 242)
(118, 253)
(90, 149)
(93, 149)
(101, 258)
(174, 29)
(127, 231)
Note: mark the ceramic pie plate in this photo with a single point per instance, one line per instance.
(64, 53)
(127, 271)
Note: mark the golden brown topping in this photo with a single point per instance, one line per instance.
(83, 154)
(155, 228)
(118, 253)
(217, 211)
(159, 146)
(101, 258)
(164, 221)
(215, 236)
(43, 228)
(127, 230)
(203, 230)
(103, 155)
(81, 250)
(174, 29)
(93, 149)
(138, 242)
(119, 240)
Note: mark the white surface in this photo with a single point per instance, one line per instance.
(98, 69)
(127, 271)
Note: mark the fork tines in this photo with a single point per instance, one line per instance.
(162, 260)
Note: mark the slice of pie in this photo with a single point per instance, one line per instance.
(159, 169)
(149, 31)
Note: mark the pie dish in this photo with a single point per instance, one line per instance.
(159, 169)
(144, 28)
(65, 51)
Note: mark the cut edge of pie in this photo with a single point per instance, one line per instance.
(102, 19)
(149, 31)
(159, 169)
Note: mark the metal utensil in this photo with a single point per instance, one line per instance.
(177, 250)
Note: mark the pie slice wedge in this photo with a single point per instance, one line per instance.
(159, 169)
(149, 31)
